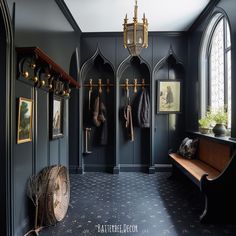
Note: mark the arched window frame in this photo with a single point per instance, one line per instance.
(204, 68)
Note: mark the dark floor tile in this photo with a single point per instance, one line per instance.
(154, 204)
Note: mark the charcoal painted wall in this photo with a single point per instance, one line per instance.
(195, 35)
(46, 27)
(111, 46)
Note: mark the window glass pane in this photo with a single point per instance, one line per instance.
(217, 68)
(229, 86)
(228, 35)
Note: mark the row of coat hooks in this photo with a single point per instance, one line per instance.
(126, 85)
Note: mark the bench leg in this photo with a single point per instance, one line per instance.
(209, 214)
(219, 208)
(175, 173)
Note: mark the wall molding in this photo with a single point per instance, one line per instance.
(7, 142)
(66, 12)
(210, 6)
(120, 34)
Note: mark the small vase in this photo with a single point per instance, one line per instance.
(219, 130)
(204, 130)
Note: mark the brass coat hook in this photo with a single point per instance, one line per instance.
(91, 85)
(143, 84)
(126, 84)
(99, 85)
(135, 85)
(108, 86)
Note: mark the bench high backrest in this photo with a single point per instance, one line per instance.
(214, 154)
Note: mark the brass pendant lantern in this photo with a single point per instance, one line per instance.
(135, 34)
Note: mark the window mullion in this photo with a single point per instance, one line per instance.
(225, 63)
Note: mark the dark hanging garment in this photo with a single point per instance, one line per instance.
(99, 120)
(129, 122)
(98, 112)
(142, 110)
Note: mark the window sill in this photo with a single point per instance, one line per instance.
(224, 140)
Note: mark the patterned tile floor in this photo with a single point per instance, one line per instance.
(152, 204)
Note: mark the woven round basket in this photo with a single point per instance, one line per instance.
(54, 202)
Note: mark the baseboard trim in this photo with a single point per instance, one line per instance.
(116, 170)
(98, 168)
(134, 168)
(121, 168)
(163, 167)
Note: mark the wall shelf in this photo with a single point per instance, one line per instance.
(36, 68)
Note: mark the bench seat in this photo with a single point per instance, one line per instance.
(195, 167)
(214, 172)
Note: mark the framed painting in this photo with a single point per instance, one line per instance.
(169, 96)
(56, 116)
(24, 127)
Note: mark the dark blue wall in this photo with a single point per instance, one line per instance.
(111, 46)
(29, 158)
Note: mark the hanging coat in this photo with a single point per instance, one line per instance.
(129, 122)
(141, 111)
(98, 112)
(99, 120)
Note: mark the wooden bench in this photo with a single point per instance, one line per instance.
(214, 172)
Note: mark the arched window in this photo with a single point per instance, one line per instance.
(215, 66)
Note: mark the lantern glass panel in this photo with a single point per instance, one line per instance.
(139, 33)
(130, 35)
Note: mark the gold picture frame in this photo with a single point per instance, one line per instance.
(56, 117)
(25, 116)
(169, 99)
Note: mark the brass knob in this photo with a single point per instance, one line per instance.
(48, 75)
(25, 74)
(67, 94)
(42, 83)
(35, 79)
(63, 93)
(33, 65)
(50, 86)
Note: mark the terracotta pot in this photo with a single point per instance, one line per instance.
(219, 130)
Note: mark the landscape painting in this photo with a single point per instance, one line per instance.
(25, 112)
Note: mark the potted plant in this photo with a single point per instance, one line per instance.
(220, 117)
(205, 123)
